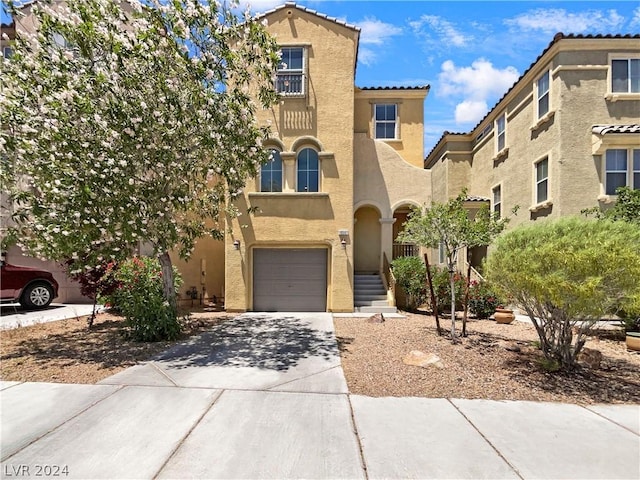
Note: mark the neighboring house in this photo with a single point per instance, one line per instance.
(346, 168)
(561, 140)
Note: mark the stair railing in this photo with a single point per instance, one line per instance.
(389, 280)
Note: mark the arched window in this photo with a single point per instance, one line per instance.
(271, 173)
(308, 171)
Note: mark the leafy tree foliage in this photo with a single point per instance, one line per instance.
(567, 275)
(626, 208)
(127, 123)
(410, 273)
(450, 225)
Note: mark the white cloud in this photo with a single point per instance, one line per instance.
(474, 86)
(636, 17)
(260, 6)
(553, 20)
(367, 57)
(445, 30)
(375, 32)
(471, 111)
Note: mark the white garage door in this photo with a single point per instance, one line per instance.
(290, 280)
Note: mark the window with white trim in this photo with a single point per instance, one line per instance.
(497, 200)
(385, 120)
(271, 173)
(542, 89)
(7, 52)
(542, 180)
(290, 77)
(622, 169)
(501, 133)
(625, 75)
(308, 170)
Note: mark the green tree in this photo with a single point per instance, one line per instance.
(450, 225)
(127, 123)
(567, 274)
(409, 273)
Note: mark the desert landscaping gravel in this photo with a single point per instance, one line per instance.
(494, 361)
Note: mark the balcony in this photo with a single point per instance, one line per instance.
(405, 250)
(290, 84)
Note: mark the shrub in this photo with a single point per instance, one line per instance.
(139, 297)
(483, 301)
(411, 274)
(442, 289)
(567, 275)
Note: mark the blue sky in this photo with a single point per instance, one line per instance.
(469, 52)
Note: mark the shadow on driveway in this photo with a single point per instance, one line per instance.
(266, 341)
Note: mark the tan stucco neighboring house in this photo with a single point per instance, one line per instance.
(559, 141)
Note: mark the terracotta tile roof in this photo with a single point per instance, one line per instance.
(417, 87)
(312, 12)
(604, 129)
(557, 37)
(475, 198)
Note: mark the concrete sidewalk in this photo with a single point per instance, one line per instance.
(14, 316)
(272, 403)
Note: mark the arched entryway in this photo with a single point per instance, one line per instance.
(400, 249)
(367, 240)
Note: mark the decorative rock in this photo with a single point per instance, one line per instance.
(421, 359)
(510, 346)
(377, 318)
(590, 357)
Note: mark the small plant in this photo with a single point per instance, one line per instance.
(139, 297)
(549, 364)
(410, 274)
(483, 301)
(93, 282)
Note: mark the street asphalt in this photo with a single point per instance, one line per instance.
(263, 396)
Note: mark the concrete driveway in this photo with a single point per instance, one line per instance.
(264, 396)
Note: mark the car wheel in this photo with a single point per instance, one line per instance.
(37, 295)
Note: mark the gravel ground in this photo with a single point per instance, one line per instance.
(480, 366)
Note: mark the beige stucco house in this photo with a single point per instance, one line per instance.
(329, 205)
(561, 140)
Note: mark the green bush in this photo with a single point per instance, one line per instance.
(567, 274)
(442, 289)
(410, 274)
(139, 297)
(483, 301)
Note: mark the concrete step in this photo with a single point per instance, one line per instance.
(382, 296)
(369, 289)
(370, 303)
(376, 309)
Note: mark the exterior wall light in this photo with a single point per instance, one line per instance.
(344, 237)
(236, 244)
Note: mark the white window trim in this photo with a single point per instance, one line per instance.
(537, 119)
(503, 133)
(302, 72)
(300, 149)
(281, 175)
(610, 197)
(537, 205)
(615, 96)
(396, 133)
(493, 196)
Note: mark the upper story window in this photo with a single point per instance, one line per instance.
(625, 75)
(542, 180)
(290, 78)
(497, 200)
(542, 89)
(308, 167)
(271, 173)
(501, 133)
(7, 52)
(386, 120)
(619, 171)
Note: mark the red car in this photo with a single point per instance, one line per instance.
(31, 287)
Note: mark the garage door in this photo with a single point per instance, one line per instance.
(290, 280)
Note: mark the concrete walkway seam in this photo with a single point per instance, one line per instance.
(63, 423)
(516, 471)
(162, 372)
(609, 419)
(354, 426)
(276, 385)
(181, 442)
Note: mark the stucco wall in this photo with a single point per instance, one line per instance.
(321, 121)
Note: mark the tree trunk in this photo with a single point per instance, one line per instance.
(453, 302)
(167, 280)
(434, 302)
(466, 300)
